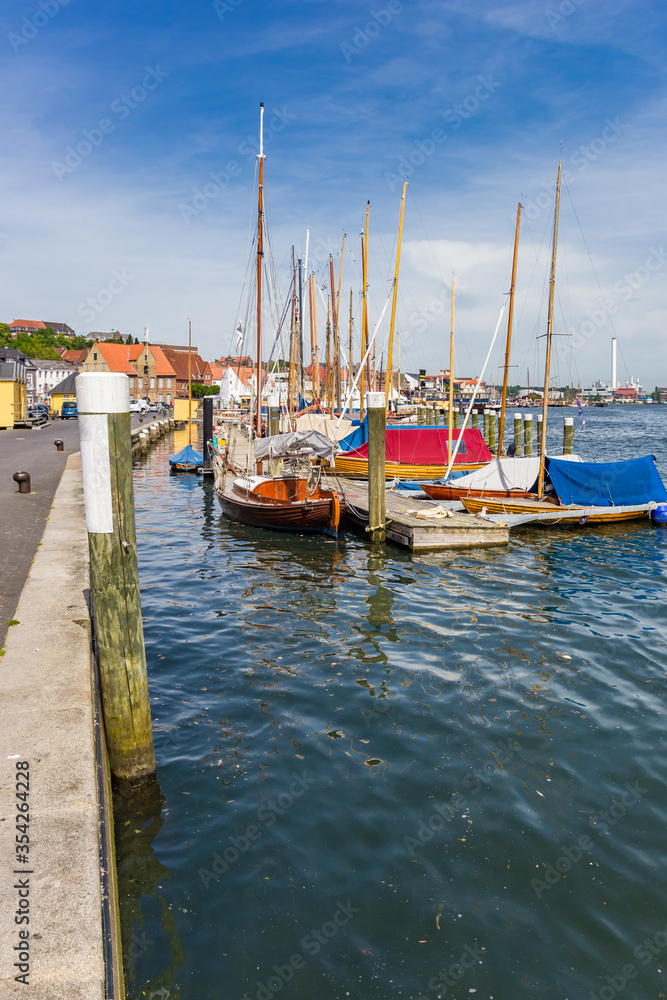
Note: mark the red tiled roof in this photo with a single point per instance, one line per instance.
(33, 324)
(117, 356)
(162, 365)
(74, 357)
(179, 362)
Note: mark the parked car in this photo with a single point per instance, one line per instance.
(68, 409)
(138, 406)
(153, 407)
(39, 411)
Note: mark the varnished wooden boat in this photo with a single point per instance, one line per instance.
(284, 503)
(438, 491)
(553, 512)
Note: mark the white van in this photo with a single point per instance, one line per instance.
(138, 406)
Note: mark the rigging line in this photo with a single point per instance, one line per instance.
(590, 257)
(252, 234)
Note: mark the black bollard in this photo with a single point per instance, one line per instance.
(23, 479)
(58, 443)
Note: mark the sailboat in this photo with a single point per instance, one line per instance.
(583, 492)
(188, 460)
(293, 500)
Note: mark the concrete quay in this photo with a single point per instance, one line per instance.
(48, 702)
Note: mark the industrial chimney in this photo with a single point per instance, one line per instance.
(613, 364)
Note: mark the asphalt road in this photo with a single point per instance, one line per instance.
(23, 516)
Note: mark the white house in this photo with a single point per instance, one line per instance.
(42, 376)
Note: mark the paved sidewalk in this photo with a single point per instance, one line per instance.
(46, 698)
(23, 516)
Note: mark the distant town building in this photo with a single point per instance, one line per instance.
(43, 375)
(35, 325)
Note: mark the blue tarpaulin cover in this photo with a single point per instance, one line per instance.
(607, 484)
(187, 457)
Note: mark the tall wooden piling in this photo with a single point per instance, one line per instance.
(540, 424)
(528, 434)
(568, 435)
(106, 462)
(207, 428)
(436, 416)
(475, 421)
(517, 433)
(493, 423)
(377, 428)
(273, 426)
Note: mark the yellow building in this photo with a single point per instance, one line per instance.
(13, 388)
(64, 390)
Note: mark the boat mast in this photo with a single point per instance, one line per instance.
(450, 409)
(392, 321)
(300, 267)
(364, 320)
(338, 350)
(349, 360)
(316, 376)
(549, 334)
(189, 382)
(334, 322)
(290, 377)
(501, 429)
(260, 254)
(312, 337)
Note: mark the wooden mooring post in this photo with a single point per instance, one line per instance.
(106, 462)
(517, 433)
(568, 435)
(377, 433)
(528, 434)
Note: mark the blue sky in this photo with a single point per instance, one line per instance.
(469, 101)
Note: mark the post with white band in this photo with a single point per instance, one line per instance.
(103, 404)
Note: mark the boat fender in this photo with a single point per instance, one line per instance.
(659, 515)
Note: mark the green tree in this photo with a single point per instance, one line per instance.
(199, 390)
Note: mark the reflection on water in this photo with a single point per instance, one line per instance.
(385, 775)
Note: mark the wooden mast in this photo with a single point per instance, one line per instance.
(334, 323)
(364, 321)
(349, 361)
(549, 334)
(329, 351)
(501, 429)
(450, 409)
(392, 322)
(316, 383)
(312, 335)
(189, 382)
(338, 351)
(260, 254)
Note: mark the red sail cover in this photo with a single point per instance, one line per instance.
(428, 446)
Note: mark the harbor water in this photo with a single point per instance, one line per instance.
(398, 776)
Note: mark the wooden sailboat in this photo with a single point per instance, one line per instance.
(619, 491)
(293, 501)
(511, 477)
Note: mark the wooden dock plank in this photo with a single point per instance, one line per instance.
(420, 533)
